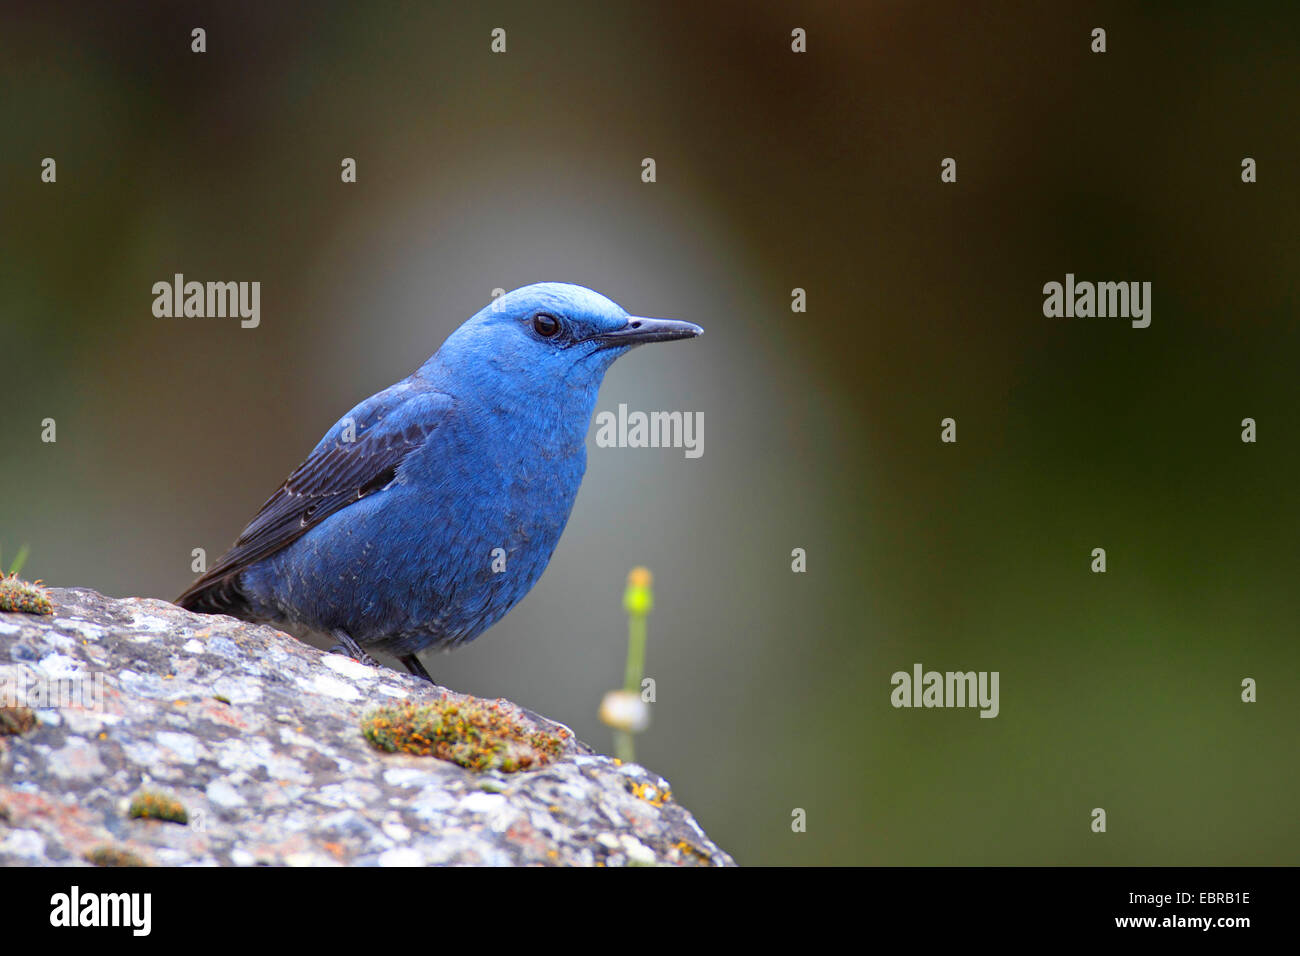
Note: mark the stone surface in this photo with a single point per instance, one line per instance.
(257, 735)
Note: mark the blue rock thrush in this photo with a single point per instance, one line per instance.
(387, 536)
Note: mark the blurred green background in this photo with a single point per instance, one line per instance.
(775, 170)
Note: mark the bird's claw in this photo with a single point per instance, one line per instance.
(350, 648)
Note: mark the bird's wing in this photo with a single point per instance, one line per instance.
(385, 429)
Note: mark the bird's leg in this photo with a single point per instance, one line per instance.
(351, 648)
(412, 664)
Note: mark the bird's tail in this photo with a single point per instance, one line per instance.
(217, 595)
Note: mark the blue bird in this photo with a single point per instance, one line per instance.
(387, 536)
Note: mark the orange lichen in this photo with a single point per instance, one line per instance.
(478, 735)
(650, 793)
(681, 846)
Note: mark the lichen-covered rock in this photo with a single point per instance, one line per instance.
(257, 739)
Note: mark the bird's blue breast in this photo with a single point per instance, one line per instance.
(457, 540)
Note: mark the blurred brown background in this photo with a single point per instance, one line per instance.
(775, 170)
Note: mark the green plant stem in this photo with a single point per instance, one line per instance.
(636, 631)
(635, 653)
(623, 748)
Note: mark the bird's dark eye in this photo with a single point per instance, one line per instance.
(546, 325)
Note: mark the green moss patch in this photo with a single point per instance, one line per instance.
(151, 805)
(108, 855)
(477, 735)
(16, 720)
(16, 595)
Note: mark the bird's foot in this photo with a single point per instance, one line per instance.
(350, 648)
(412, 664)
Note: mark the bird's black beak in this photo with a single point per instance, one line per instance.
(639, 331)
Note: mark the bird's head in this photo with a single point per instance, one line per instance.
(549, 333)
